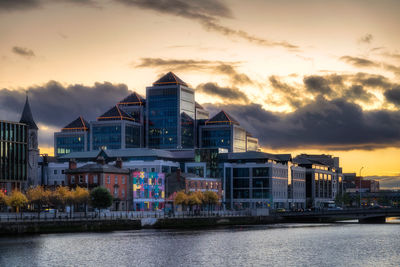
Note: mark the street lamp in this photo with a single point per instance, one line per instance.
(359, 190)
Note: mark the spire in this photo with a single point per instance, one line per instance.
(26, 116)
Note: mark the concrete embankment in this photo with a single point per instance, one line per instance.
(39, 227)
(65, 226)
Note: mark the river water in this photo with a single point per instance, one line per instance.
(272, 245)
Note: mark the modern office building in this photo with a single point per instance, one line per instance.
(223, 131)
(74, 137)
(170, 114)
(324, 178)
(13, 155)
(258, 180)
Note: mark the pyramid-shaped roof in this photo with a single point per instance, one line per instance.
(27, 117)
(168, 79)
(222, 118)
(133, 99)
(115, 113)
(78, 124)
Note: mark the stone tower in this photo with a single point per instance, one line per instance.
(33, 150)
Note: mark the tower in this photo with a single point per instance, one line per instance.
(170, 114)
(33, 150)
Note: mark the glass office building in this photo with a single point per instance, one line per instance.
(223, 131)
(170, 109)
(13, 152)
(73, 138)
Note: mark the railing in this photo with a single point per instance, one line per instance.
(114, 215)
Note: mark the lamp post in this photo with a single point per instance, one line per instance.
(359, 190)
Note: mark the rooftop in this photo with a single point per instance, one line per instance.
(169, 78)
(222, 118)
(115, 113)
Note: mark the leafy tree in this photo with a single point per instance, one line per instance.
(38, 196)
(194, 199)
(3, 198)
(100, 198)
(17, 200)
(180, 198)
(81, 196)
(210, 198)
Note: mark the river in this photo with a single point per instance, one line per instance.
(349, 244)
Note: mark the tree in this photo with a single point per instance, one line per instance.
(2, 198)
(17, 200)
(195, 199)
(180, 198)
(81, 196)
(100, 198)
(210, 198)
(38, 196)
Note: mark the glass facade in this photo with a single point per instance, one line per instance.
(132, 136)
(187, 131)
(70, 143)
(162, 105)
(106, 136)
(13, 152)
(216, 137)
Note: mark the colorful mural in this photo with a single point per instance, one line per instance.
(148, 190)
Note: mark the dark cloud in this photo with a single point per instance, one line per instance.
(370, 80)
(228, 94)
(23, 51)
(215, 67)
(322, 124)
(317, 85)
(207, 13)
(89, 3)
(366, 38)
(357, 92)
(386, 182)
(392, 68)
(359, 62)
(393, 95)
(56, 105)
(290, 93)
(10, 5)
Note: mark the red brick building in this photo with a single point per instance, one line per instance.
(113, 177)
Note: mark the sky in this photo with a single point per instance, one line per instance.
(304, 76)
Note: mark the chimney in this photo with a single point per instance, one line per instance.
(72, 164)
(118, 163)
(100, 160)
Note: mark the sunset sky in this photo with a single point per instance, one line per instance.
(304, 76)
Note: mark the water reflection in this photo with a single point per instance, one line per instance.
(272, 245)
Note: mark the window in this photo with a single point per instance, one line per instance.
(123, 193)
(123, 179)
(145, 169)
(55, 171)
(116, 179)
(108, 179)
(95, 179)
(72, 179)
(80, 179)
(153, 169)
(62, 171)
(260, 172)
(115, 191)
(240, 172)
(86, 178)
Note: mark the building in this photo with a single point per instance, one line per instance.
(148, 190)
(223, 131)
(113, 177)
(170, 114)
(260, 180)
(74, 137)
(33, 148)
(353, 183)
(323, 178)
(13, 155)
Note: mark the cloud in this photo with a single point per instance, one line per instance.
(89, 3)
(56, 105)
(207, 13)
(317, 85)
(393, 95)
(23, 51)
(214, 67)
(290, 93)
(359, 62)
(357, 92)
(370, 80)
(322, 124)
(386, 182)
(367, 38)
(233, 95)
(10, 5)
